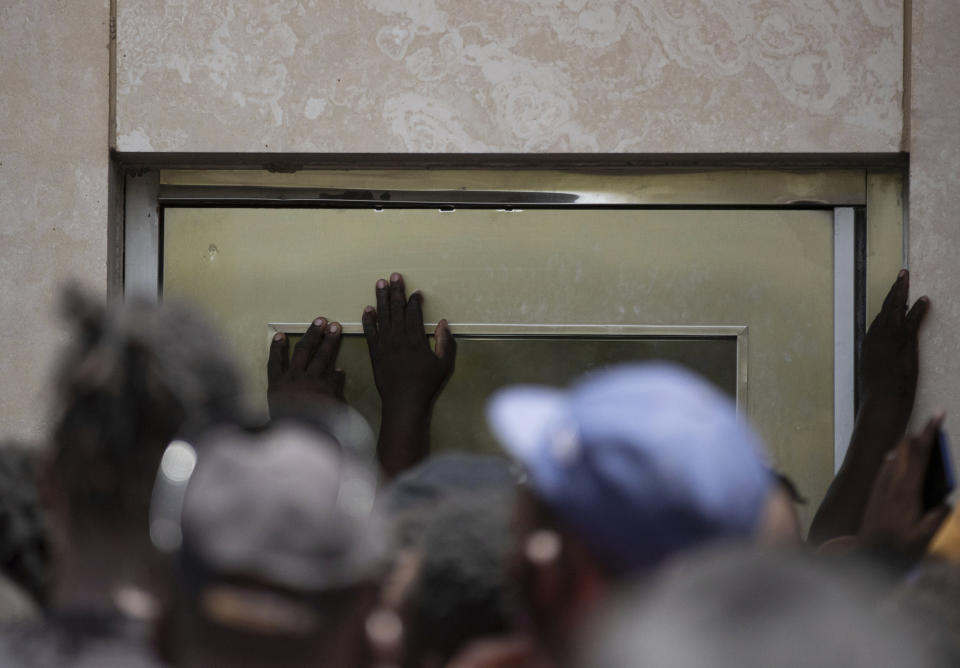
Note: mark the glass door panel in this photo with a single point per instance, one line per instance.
(743, 296)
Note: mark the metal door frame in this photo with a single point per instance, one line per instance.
(845, 192)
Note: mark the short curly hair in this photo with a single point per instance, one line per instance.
(462, 592)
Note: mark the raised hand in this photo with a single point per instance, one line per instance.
(888, 380)
(889, 356)
(409, 374)
(311, 374)
(895, 518)
(405, 368)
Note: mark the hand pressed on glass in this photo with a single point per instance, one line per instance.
(409, 375)
(310, 374)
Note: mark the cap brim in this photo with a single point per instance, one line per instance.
(521, 416)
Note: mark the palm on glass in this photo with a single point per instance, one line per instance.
(409, 374)
(310, 375)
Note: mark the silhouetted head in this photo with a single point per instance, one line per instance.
(626, 469)
(929, 602)
(282, 555)
(133, 377)
(460, 592)
(746, 608)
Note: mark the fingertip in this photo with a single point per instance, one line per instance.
(368, 310)
(334, 328)
(320, 322)
(447, 344)
(279, 337)
(381, 284)
(918, 313)
(903, 274)
(395, 277)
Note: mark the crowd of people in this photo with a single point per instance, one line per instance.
(633, 519)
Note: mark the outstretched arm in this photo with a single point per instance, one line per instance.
(408, 373)
(888, 378)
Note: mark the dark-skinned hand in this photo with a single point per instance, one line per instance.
(409, 374)
(889, 356)
(311, 374)
(895, 518)
(406, 370)
(888, 383)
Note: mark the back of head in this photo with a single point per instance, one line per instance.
(412, 500)
(640, 461)
(460, 593)
(750, 609)
(134, 375)
(281, 554)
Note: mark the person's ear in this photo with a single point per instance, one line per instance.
(779, 522)
(587, 581)
(385, 636)
(543, 553)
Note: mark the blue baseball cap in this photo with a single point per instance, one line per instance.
(641, 461)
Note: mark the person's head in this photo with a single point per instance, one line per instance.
(929, 602)
(450, 517)
(133, 377)
(281, 555)
(411, 500)
(749, 608)
(460, 592)
(626, 469)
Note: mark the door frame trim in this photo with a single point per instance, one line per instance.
(148, 191)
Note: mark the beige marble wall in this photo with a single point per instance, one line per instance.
(54, 105)
(509, 75)
(935, 201)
